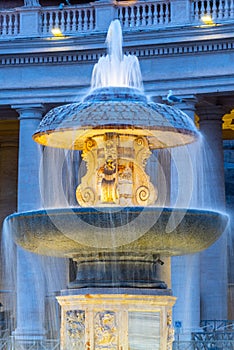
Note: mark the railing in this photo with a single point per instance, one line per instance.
(9, 23)
(145, 14)
(217, 325)
(71, 20)
(96, 16)
(203, 345)
(11, 344)
(218, 10)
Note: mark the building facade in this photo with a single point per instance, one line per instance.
(176, 51)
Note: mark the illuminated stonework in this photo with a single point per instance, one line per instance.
(75, 329)
(116, 321)
(116, 171)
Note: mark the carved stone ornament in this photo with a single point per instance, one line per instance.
(105, 331)
(116, 172)
(75, 329)
(170, 331)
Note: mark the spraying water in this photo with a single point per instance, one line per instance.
(116, 69)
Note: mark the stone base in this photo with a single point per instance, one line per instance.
(120, 271)
(116, 320)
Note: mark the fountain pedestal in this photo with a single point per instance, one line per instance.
(128, 320)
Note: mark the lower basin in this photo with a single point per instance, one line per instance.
(78, 232)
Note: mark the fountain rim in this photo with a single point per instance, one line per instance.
(124, 111)
(114, 209)
(119, 129)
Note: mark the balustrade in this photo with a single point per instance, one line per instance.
(217, 10)
(145, 14)
(70, 21)
(9, 23)
(76, 19)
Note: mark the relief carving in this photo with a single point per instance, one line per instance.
(105, 327)
(75, 329)
(170, 331)
(116, 172)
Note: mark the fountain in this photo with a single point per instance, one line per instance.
(118, 232)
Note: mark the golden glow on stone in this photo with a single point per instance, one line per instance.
(75, 138)
(115, 321)
(207, 20)
(56, 32)
(116, 172)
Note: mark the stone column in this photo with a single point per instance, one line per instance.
(229, 184)
(188, 105)
(214, 259)
(30, 279)
(186, 269)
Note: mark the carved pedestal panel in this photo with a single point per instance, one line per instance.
(116, 172)
(116, 322)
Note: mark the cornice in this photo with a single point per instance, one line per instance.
(92, 55)
(144, 44)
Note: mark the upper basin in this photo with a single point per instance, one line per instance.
(120, 110)
(70, 232)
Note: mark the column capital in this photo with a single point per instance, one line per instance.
(30, 110)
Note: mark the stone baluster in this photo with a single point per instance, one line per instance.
(185, 270)
(214, 259)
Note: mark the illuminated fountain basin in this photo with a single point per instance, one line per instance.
(118, 233)
(128, 241)
(142, 230)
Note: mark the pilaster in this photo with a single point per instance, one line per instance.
(180, 12)
(29, 21)
(105, 13)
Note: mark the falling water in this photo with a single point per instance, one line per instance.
(178, 173)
